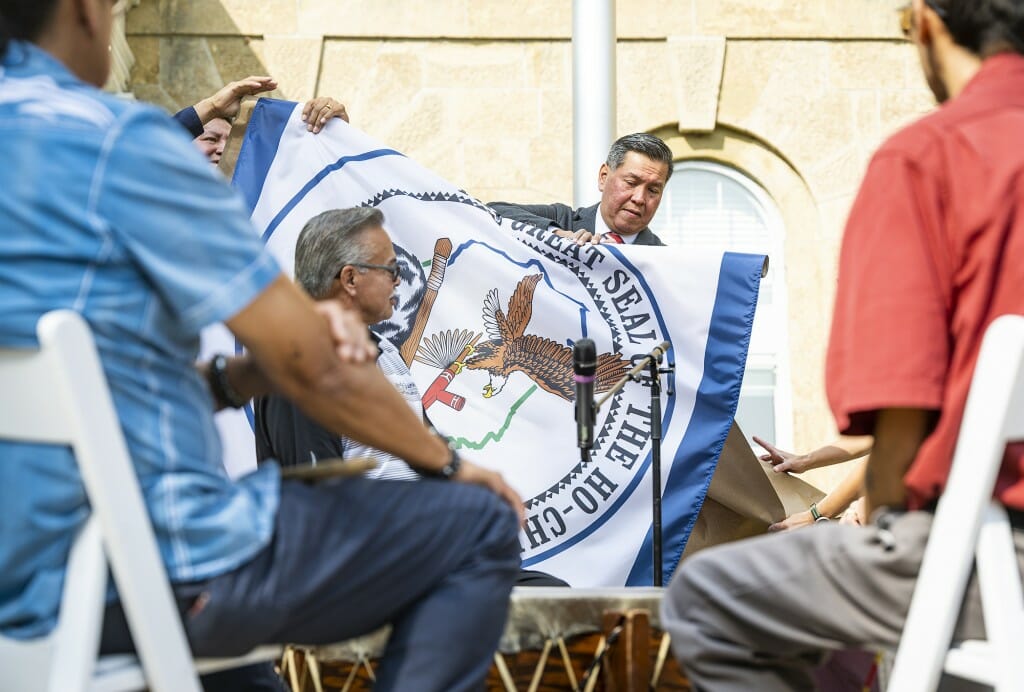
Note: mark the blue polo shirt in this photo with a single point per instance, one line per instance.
(107, 209)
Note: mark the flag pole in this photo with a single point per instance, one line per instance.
(593, 93)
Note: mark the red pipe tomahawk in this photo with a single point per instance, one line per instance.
(447, 350)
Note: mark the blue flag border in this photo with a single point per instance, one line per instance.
(725, 358)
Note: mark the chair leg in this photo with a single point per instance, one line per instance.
(1001, 596)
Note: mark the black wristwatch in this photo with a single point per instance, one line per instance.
(815, 514)
(453, 466)
(222, 389)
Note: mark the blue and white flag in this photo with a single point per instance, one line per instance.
(489, 311)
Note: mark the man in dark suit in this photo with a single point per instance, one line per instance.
(631, 182)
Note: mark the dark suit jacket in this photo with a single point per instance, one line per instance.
(563, 216)
(189, 119)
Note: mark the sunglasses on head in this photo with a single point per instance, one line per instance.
(907, 16)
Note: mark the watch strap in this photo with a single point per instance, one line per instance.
(222, 389)
(815, 514)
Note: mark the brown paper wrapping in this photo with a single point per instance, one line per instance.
(746, 496)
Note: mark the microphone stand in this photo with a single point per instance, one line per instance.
(652, 363)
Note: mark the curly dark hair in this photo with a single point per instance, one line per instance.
(984, 27)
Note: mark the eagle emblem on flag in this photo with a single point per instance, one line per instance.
(510, 349)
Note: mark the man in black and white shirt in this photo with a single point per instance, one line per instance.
(344, 255)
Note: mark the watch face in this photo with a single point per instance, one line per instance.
(452, 467)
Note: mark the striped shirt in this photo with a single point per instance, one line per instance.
(389, 467)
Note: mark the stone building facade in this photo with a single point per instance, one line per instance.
(792, 95)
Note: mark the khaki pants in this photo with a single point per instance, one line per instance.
(761, 614)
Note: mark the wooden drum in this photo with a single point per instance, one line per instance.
(555, 639)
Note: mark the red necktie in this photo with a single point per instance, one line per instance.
(616, 238)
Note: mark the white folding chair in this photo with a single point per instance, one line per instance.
(969, 527)
(58, 395)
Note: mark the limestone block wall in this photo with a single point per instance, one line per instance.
(798, 93)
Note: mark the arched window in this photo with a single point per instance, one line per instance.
(708, 205)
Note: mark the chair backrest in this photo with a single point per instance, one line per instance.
(994, 416)
(58, 394)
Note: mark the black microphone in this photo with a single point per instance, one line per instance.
(584, 367)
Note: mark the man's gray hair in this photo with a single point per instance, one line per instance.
(328, 242)
(642, 143)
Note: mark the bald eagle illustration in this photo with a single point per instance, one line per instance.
(509, 349)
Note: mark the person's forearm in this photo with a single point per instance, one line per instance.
(247, 377)
(299, 358)
(842, 449)
(363, 388)
(848, 490)
(205, 110)
(244, 376)
(854, 445)
(359, 402)
(898, 437)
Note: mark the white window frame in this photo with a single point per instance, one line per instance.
(779, 315)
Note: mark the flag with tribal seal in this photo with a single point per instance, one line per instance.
(489, 310)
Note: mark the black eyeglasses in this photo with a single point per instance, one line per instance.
(393, 269)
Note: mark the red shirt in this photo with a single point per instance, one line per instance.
(933, 252)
